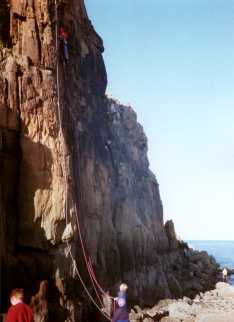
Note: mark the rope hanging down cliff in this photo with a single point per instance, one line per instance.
(87, 262)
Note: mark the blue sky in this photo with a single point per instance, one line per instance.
(173, 60)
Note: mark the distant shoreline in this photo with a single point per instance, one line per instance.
(221, 250)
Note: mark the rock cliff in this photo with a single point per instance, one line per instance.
(66, 148)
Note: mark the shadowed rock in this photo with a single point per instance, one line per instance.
(90, 156)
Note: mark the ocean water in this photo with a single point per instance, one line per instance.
(223, 251)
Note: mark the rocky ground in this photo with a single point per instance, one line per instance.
(214, 306)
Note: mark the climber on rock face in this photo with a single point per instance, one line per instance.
(19, 311)
(63, 36)
(121, 313)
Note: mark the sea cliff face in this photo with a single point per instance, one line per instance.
(85, 155)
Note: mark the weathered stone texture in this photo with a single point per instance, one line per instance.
(97, 162)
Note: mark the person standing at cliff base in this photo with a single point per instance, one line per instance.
(19, 311)
(225, 273)
(121, 312)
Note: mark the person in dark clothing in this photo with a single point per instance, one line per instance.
(19, 311)
(63, 36)
(121, 312)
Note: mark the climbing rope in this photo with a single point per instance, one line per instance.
(59, 111)
(87, 262)
(85, 287)
(95, 279)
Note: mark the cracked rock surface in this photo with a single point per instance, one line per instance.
(92, 156)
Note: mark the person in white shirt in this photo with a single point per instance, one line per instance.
(225, 273)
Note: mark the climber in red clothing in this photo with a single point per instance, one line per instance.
(63, 36)
(19, 311)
